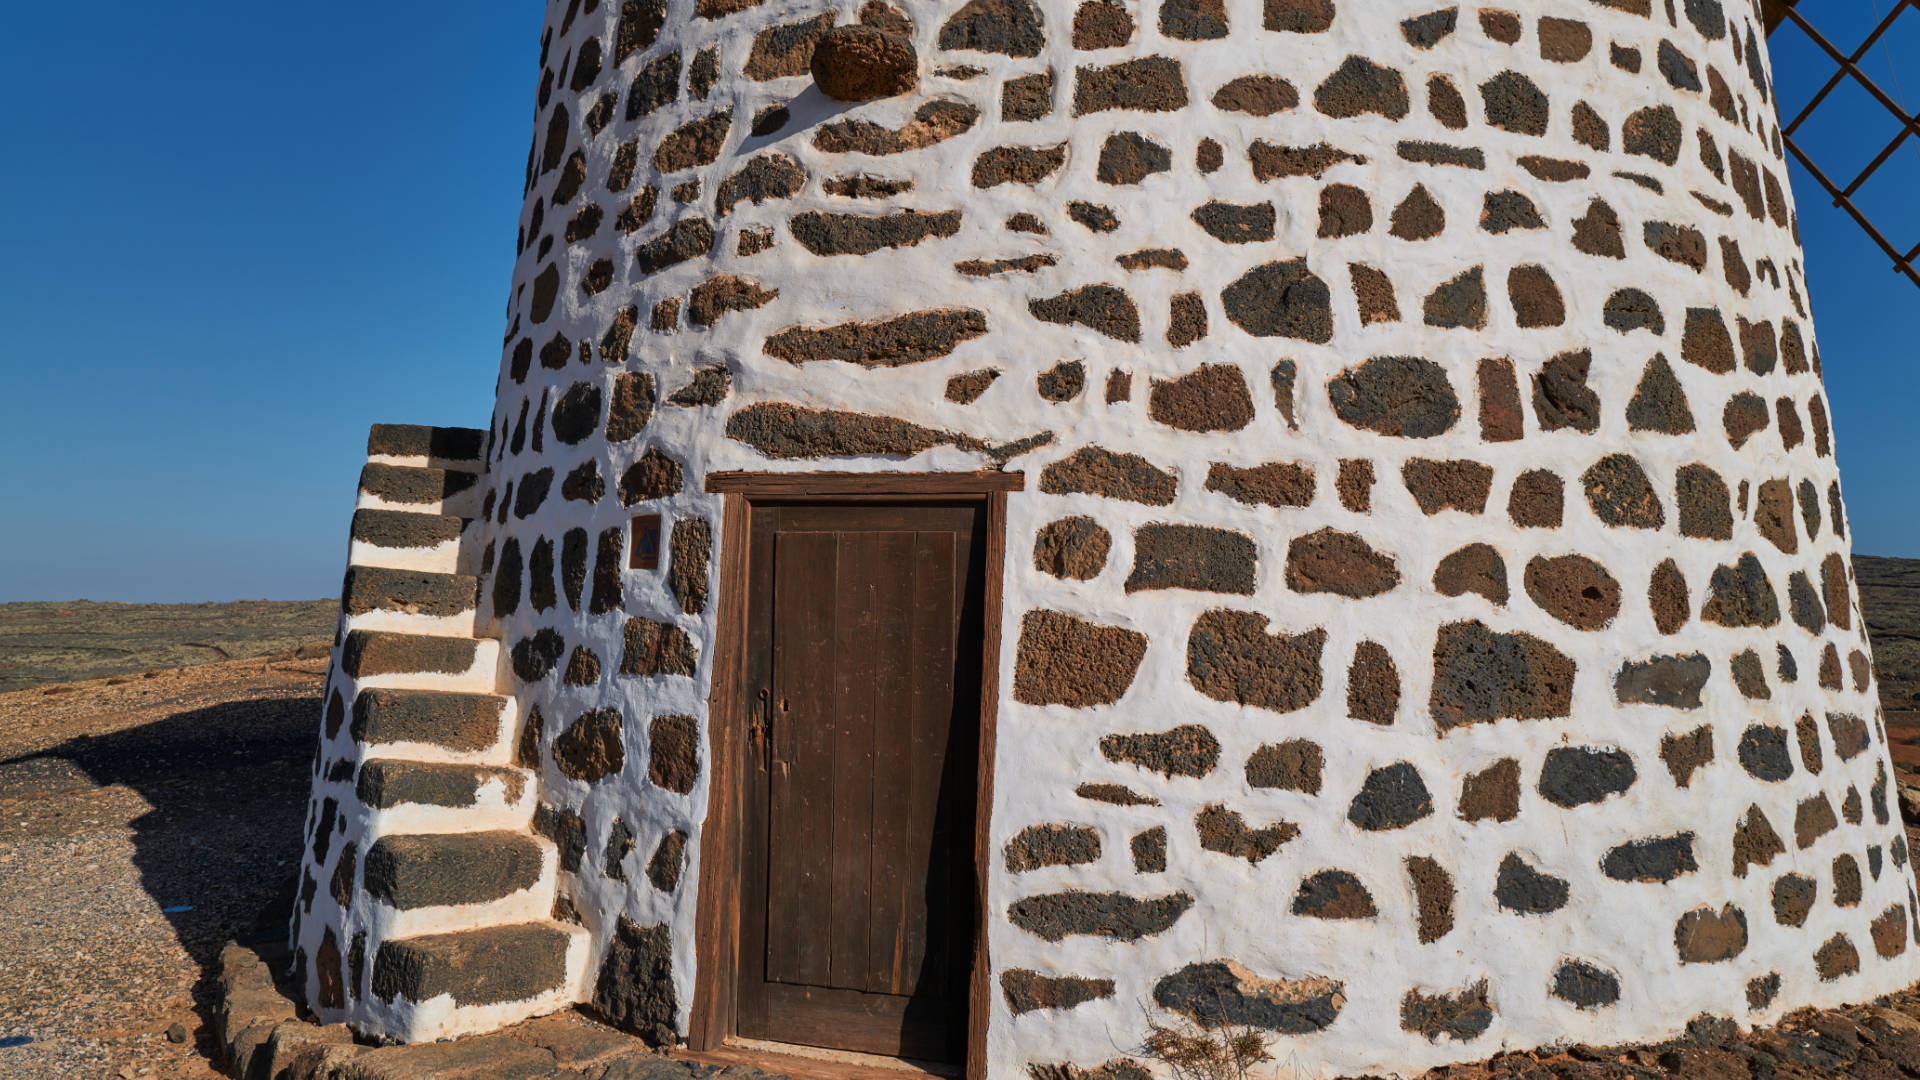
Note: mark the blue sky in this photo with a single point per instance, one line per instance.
(235, 235)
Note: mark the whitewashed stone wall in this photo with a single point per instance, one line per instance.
(1429, 619)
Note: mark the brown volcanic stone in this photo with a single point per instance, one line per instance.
(1836, 959)
(1102, 24)
(1597, 232)
(687, 570)
(859, 63)
(1463, 1015)
(1212, 397)
(1889, 932)
(1459, 303)
(1492, 794)
(1149, 850)
(1072, 547)
(1620, 494)
(1536, 500)
(1114, 794)
(667, 861)
(1096, 471)
(1653, 132)
(1231, 657)
(1027, 97)
(1297, 16)
(1686, 752)
(1147, 84)
(1344, 211)
(1017, 165)
(1773, 515)
(1574, 589)
(583, 667)
(1793, 897)
(673, 753)
(1186, 321)
(1403, 396)
(1846, 881)
(1501, 26)
(1226, 832)
(1590, 129)
(1281, 299)
(1476, 568)
(1433, 897)
(1129, 157)
(1341, 563)
(1188, 750)
(727, 292)
(1271, 162)
(1705, 936)
(1564, 41)
(1373, 685)
(1193, 20)
(1672, 681)
(1445, 102)
(1355, 484)
(1028, 991)
(1501, 419)
(1067, 661)
(1513, 103)
(934, 122)
(1007, 27)
(856, 234)
(1362, 86)
(1833, 589)
(654, 476)
(1373, 294)
(1051, 845)
(1294, 765)
(1448, 485)
(1744, 415)
(881, 343)
(1754, 842)
(1194, 557)
(1535, 298)
(1480, 675)
(1705, 341)
(1104, 308)
(1419, 216)
(1702, 499)
(694, 143)
(1334, 894)
(784, 51)
(1235, 223)
(1791, 433)
(590, 747)
(1257, 95)
(1278, 483)
(656, 648)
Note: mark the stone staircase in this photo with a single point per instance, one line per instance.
(439, 883)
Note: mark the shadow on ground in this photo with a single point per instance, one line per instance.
(226, 789)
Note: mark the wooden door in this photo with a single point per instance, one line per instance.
(864, 629)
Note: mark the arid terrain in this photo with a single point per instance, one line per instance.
(150, 808)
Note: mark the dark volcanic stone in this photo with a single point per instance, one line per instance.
(769, 176)
(1233, 223)
(384, 784)
(1362, 86)
(1561, 397)
(859, 63)
(1007, 27)
(1673, 681)
(688, 238)
(1188, 750)
(1017, 165)
(1460, 1016)
(656, 648)
(1481, 675)
(1741, 595)
(1111, 915)
(1521, 889)
(1513, 103)
(1334, 894)
(635, 987)
(1192, 557)
(1392, 797)
(1281, 299)
(536, 655)
(476, 967)
(1278, 483)
(1221, 993)
(1793, 896)
(1578, 775)
(1585, 985)
(463, 722)
(1147, 84)
(1129, 157)
(1426, 31)
(1702, 499)
(1763, 753)
(408, 872)
(1051, 845)
(1403, 396)
(1631, 309)
(856, 234)
(1653, 132)
(664, 867)
(1226, 832)
(1459, 303)
(780, 430)
(1149, 850)
(883, 343)
(1660, 858)
(1231, 657)
(1620, 494)
(1097, 471)
(1105, 308)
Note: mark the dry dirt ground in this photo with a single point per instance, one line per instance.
(147, 819)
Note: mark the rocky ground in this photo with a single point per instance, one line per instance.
(80, 639)
(148, 817)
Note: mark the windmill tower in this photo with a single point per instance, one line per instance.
(1003, 520)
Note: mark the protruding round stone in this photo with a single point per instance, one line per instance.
(859, 63)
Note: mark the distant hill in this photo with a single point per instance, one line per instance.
(82, 639)
(1890, 596)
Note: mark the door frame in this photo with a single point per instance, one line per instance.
(717, 920)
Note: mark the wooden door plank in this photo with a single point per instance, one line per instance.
(894, 852)
(856, 644)
(719, 920)
(801, 814)
(980, 981)
(931, 712)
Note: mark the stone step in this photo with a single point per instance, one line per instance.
(451, 444)
(385, 486)
(386, 783)
(449, 869)
(410, 592)
(487, 966)
(423, 662)
(464, 723)
(402, 529)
